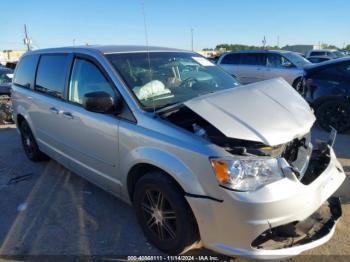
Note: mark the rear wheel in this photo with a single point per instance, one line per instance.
(335, 113)
(163, 213)
(29, 143)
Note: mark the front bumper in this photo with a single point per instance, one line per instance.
(231, 227)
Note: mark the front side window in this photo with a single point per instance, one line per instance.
(159, 79)
(276, 60)
(86, 78)
(51, 74)
(296, 59)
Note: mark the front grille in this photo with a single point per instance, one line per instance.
(318, 163)
(298, 153)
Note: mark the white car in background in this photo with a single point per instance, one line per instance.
(253, 66)
(331, 53)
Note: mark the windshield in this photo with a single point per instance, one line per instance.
(5, 76)
(338, 54)
(296, 59)
(160, 79)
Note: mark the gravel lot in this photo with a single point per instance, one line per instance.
(54, 212)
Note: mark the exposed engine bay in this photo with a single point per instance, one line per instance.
(189, 120)
(306, 162)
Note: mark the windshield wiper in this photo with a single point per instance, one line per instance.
(169, 107)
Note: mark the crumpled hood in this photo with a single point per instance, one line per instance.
(271, 112)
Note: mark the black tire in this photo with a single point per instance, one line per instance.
(29, 144)
(175, 232)
(297, 85)
(335, 113)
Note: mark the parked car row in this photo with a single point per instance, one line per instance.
(202, 158)
(5, 93)
(253, 66)
(326, 86)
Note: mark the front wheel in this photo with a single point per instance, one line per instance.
(335, 113)
(163, 213)
(298, 85)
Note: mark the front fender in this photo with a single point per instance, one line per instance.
(165, 161)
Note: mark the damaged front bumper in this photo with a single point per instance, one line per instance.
(256, 224)
(297, 233)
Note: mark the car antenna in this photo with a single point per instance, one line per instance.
(148, 53)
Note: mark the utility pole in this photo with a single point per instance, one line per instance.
(27, 40)
(278, 41)
(192, 39)
(264, 42)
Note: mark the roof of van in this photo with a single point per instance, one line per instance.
(323, 50)
(261, 51)
(327, 63)
(110, 49)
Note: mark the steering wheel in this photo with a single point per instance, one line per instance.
(188, 82)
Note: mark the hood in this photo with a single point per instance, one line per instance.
(270, 112)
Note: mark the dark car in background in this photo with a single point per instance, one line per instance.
(318, 59)
(5, 95)
(326, 86)
(5, 80)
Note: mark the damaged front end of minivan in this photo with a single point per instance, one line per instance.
(277, 184)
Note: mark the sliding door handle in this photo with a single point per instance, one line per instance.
(67, 115)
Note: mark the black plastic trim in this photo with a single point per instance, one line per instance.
(205, 197)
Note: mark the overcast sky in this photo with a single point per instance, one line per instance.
(59, 22)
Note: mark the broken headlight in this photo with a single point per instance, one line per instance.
(246, 174)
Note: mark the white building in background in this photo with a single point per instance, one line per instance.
(10, 55)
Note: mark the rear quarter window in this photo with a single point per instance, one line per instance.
(51, 75)
(25, 71)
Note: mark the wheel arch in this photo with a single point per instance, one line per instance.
(143, 160)
(22, 115)
(141, 169)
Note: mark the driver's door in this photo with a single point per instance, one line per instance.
(91, 139)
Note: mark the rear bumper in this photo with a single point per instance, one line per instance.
(231, 227)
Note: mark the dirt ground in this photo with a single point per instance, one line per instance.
(50, 211)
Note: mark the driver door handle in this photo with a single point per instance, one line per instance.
(54, 110)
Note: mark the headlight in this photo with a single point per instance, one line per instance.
(246, 174)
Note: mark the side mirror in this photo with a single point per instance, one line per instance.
(287, 64)
(99, 102)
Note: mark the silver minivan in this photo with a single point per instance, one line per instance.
(204, 161)
(252, 66)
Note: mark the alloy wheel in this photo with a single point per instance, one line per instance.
(28, 140)
(160, 216)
